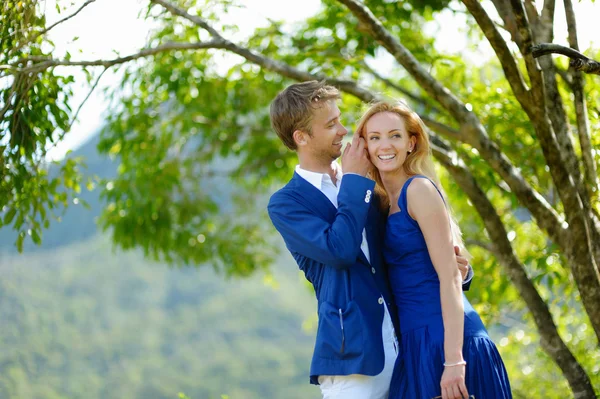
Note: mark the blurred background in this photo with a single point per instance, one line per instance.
(136, 256)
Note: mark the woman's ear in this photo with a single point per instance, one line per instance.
(413, 144)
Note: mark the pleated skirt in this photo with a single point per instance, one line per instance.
(420, 364)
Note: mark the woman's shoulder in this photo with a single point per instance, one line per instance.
(421, 191)
(420, 184)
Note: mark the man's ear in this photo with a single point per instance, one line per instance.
(300, 138)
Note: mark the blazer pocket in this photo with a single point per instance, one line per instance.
(339, 335)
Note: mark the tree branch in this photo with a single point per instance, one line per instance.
(546, 28)
(508, 62)
(175, 10)
(9, 98)
(564, 75)
(556, 111)
(510, 25)
(580, 248)
(41, 64)
(440, 93)
(533, 17)
(481, 244)
(578, 85)
(400, 89)
(265, 62)
(84, 5)
(74, 118)
(502, 249)
(583, 128)
(578, 61)
(576, 198)
(442, 129)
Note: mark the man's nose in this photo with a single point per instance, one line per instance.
(343, 131)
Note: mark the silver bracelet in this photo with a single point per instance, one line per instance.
(461, 363)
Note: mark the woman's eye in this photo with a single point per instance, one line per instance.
(374, 138)
(397, 135)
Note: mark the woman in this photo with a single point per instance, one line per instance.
(446, 350)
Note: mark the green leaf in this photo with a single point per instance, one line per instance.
(19, 242)
(35, 236)
(8, 218)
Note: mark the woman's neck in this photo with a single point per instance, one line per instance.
(393, 182)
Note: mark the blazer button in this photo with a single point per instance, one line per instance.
(380, 301)
(373, 270)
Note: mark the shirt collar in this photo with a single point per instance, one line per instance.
(316, 178)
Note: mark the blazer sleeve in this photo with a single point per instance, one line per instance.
(334, 244)
(467, 281)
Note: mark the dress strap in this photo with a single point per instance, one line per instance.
(402, 200)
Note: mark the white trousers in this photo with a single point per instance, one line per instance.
(357, 386)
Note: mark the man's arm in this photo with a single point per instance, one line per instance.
(334, 244)
(466, 284)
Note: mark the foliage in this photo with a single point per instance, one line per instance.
(34, 115)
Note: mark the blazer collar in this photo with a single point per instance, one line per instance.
(314, 198)
(316, 178)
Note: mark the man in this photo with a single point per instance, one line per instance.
(332, 226)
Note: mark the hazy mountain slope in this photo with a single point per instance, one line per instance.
(82, 322)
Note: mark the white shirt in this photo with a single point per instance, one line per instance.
(323, 183)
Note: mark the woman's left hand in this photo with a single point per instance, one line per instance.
(453, 383)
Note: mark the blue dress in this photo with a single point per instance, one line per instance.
(416, 288)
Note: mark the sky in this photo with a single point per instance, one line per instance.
(106, 28)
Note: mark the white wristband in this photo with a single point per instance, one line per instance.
(461, 363)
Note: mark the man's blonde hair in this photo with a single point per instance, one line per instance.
(293, 108)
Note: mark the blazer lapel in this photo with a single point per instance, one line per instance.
(314, 198)
(374, 233)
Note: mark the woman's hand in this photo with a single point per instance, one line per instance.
(453, 383)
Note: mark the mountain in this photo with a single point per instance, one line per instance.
(81, 320)
(85, 322)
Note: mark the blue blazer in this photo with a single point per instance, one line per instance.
(325, 242)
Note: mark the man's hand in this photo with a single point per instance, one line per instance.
(463, 263)
(355, 158)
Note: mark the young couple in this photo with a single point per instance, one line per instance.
(377, 243)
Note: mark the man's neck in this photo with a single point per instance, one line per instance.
(318, 167)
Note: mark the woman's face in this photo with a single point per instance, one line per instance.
(388, 142)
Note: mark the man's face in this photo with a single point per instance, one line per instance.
(325, 145)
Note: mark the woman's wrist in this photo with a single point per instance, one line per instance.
(459, 363)
(453, 353)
